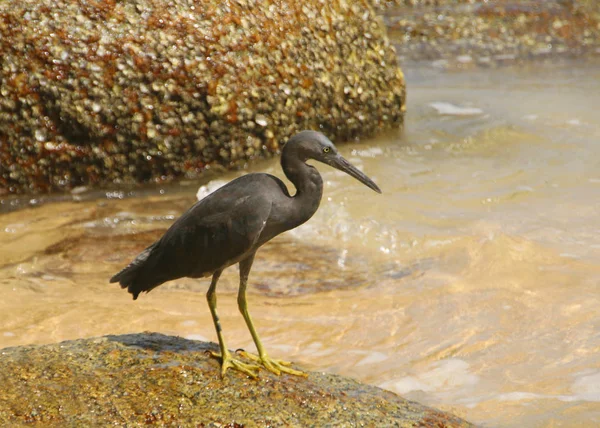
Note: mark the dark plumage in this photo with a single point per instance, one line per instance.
(229, 225)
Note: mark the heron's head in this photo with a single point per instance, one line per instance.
(314, 145)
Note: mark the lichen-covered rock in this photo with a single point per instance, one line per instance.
(149, 90)
(147, 378)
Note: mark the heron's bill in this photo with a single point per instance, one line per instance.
(343, 165)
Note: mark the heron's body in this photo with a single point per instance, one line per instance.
(220, 230)
(229, 225)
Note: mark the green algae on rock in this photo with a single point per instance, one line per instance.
(147, 90)
(150, 378)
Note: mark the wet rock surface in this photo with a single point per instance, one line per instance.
(146, 90)
(467, 33)
(150, 378)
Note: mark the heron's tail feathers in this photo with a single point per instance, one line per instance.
(133, 277)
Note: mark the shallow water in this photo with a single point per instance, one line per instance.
(472, 284)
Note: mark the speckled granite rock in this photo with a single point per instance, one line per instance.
(140, 379)
(149, 90)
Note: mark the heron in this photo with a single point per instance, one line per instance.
(229, 226)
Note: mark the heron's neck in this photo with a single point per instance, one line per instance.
(308, 183)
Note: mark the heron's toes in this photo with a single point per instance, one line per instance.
(249, 369)
(248, 355)
(273, 365)
(229, 362)
(278, 367)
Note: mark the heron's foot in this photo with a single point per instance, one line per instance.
(228, 361)
(274, 366)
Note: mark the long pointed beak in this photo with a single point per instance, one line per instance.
(343, 165)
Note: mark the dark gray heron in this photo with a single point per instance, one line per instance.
(229, 225)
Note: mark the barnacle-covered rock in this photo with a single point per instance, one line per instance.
(488, 33)
(148, 90)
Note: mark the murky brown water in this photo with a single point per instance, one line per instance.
(471, 284)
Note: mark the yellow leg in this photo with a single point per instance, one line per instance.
(227, 361)
(275, 366)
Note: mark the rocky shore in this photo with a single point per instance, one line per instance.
(141, 379)
(137, 91)
(94, 94)
(488, 33)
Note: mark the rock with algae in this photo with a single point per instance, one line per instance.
(97, 92)
(140, 379)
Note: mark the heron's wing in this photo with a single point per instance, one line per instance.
(216, 232)
(211, 236)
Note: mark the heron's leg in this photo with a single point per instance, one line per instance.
(227, 360)
(275, 366)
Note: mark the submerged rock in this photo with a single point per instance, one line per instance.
(148, 90)
(150, 378)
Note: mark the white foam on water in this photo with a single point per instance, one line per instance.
(371, 152)
(14, 228)
(372, 358)
(316, 349)
(586, 386)
(444, 375)
(406, 385)
(448, 109)
(518, 396)
(209, 188)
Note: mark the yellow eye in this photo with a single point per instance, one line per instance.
(326, 149)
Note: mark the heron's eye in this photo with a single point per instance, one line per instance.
(326, 149)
